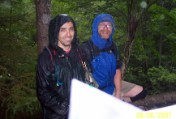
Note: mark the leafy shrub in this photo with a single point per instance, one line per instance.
(162, 80)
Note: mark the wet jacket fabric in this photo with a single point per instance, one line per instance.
(104, 62)
(55, 70)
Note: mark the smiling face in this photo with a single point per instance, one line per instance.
(66, 35)
(105, 29)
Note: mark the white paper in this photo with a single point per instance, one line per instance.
(90, 103)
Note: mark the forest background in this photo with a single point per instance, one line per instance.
(145, 35)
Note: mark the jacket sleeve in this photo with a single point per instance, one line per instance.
(46, 93)
(117, 55)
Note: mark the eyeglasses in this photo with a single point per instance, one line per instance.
(102, 26)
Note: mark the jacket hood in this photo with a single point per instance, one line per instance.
(96, 38)
(54, 28)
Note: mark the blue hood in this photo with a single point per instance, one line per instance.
(96, 38)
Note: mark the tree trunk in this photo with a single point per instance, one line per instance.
(157, 101)
(43, 16)
(132, 27)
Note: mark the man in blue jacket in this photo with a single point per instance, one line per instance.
(103, 55)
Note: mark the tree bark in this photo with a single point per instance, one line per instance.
(132, 27)
(157, 101)
(43, 16)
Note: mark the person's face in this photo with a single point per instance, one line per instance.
(65, 35)
(105, 29)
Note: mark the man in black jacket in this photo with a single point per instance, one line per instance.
(57, 65)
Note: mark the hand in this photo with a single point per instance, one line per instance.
(118, 95)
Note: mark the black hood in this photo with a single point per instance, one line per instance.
(54, 27)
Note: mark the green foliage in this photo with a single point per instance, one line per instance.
(138, 76)
(155, 39)
(18, 78)
(156, 80)
(17, 58)
(162, 80)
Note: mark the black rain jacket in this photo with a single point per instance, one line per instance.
(55, 70)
